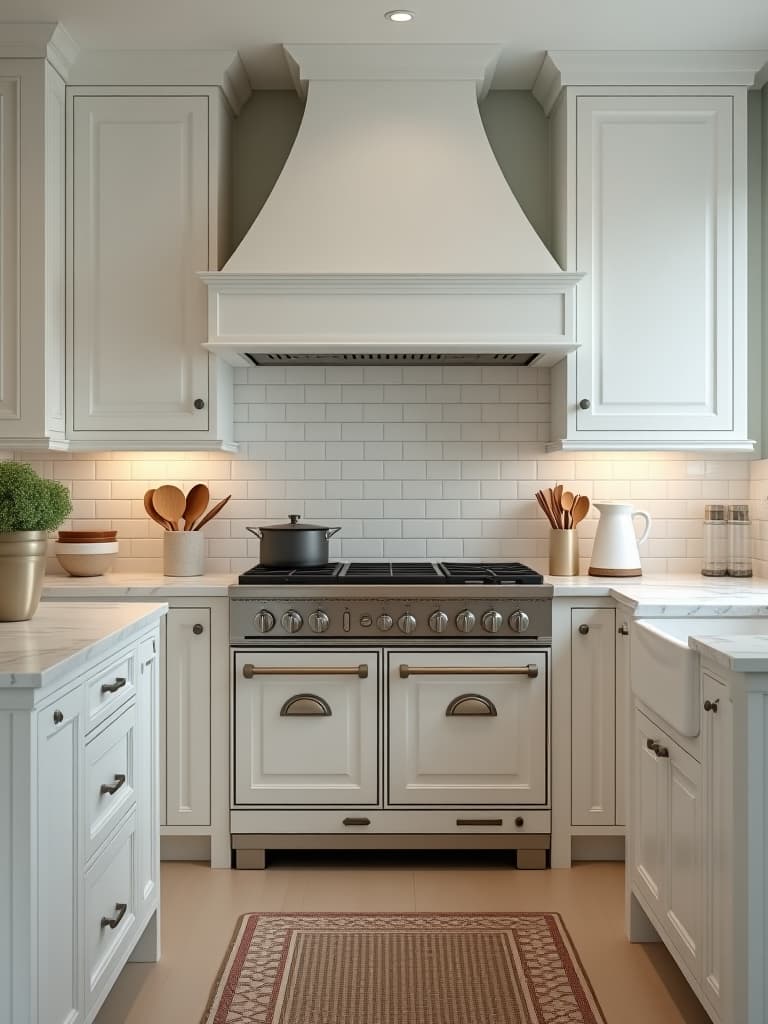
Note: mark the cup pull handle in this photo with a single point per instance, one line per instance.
(118, 684)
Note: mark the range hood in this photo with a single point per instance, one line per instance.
(391, 234)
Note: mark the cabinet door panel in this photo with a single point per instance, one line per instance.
(685, 892)
(649, 815)
(655, 318)
(188, 716)
(140, 234)
(10, 326)
(593, 716)
(60, 735)
(147, 782)
(436, 757)
(308, 736)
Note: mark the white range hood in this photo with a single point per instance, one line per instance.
(391, 233)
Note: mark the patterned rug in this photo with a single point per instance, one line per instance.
(402, 969)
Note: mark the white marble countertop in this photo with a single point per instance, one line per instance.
(689, 596)
(62, 639)
(737, 653)
(155, 585)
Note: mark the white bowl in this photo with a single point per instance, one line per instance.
(86, 559)
(97, 547)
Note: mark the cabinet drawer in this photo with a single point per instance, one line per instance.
(447, 824)
(110, 910)
(110, 759)
(110, 687)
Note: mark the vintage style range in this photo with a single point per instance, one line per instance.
(391, 705)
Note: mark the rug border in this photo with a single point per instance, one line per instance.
(257, 914)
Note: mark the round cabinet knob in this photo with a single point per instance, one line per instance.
(58, 717)
(519, 622)
(385, 623)
(407, 623)
(519, 821)
(199, 403)
(465, 621)
(264, 621)
(583, 629)
(585, 404)
(291, 621)
(319, 621)
(492, 622)
(197, 629)
(438, 622)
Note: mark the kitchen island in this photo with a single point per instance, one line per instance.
(79, 805)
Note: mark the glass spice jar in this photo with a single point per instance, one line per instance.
(715, 541)
(739, 541)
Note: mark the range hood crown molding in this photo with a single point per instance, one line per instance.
(391, 226)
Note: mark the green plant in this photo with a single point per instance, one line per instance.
(28, 502)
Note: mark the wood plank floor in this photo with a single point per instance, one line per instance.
(634, 983)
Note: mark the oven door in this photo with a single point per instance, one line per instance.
(467, 727)
(305, 729)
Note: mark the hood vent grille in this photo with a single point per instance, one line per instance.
(391, 358)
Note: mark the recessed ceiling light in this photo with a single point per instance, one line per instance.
(399, 15)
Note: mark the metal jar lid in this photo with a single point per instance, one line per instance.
(714, 513)
(738, 513)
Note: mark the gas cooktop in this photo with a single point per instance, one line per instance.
(378, 573)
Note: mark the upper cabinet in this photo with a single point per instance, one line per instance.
(32, 235)
(148, 171)
(650, 203)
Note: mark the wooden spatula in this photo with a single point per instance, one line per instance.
(169, 503)
(197, 503)
(212, 512)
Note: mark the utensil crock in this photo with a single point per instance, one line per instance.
(563, 553)
(183, 553)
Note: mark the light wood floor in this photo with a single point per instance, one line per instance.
(634, 984)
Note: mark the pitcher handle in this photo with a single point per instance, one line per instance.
(644, 535)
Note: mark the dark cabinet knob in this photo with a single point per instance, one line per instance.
(583, 629)
(199, 403)
(197, 629)
(519, 821)
(585, 404)
(58, 717)
(623, 631)
(711, 705)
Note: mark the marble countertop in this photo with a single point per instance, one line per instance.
(736, 653)
(690, 596)
(62, 639)
(155, 585)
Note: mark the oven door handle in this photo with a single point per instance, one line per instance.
(461, 670)
(249, 671)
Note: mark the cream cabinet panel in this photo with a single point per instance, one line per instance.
(147, 773)
(188, 716)
(684, 911)
(650, 798)
(10, 354)
(478, 739)
(593, 716)
(140, 234)
(306, 727)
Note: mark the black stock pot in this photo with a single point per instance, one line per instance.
(293, 545)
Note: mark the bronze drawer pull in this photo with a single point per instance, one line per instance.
(471, 704)
(356, 821)
(113, 922)
(112, 787)
(479, 821)
(465, 670)
(305, 705)
(118, 684)
(249, 671)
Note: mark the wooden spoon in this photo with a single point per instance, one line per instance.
(567, 501)
(580, 509)
(149, 508)
(547, 510)
(197, 503)
(169, 503)
(212, 512)
(553, 506)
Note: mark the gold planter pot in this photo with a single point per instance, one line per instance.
(22, 567)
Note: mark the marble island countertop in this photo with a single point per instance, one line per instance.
(735, 653)
(63, 638)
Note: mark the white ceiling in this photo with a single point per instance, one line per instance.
(525, 28)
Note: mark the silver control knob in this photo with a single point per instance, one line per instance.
(407, 623)
(292, 621)
(264, 621)
(465, 621)
(438, 622)
(318, 621)
(385, 623)
(492, 622)
(519, 622)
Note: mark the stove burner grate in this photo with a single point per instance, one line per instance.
(491, 572)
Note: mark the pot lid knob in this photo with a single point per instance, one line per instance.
(294, 519)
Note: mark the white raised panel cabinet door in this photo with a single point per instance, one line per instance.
(140, 235)
(59, 964)
(650, 796)
(10, 332)
(593, 716)
(684, 911)
(188, 716)
(717, 760)
(655, 235)
(147, 796)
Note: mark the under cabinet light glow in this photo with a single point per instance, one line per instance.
(399, 15)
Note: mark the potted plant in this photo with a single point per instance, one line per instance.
(29, 507)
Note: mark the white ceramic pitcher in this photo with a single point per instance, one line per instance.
(615, 551)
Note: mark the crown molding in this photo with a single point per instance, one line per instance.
(39, 40)
(670, 68)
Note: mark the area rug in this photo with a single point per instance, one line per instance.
(501, 968)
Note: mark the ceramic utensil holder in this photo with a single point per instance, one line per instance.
(563, 553)
(183, 553)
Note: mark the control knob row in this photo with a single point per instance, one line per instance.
(319, 621)
(291, 621)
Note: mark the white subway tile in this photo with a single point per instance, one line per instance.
(461, 412)
(441, 431)
(344, 488)
(285, 470)
(485, 432)
(305, 450)
(305, 413)
(447, 470)
(305, 489)
(368, 548)
(344, 375)
(326, 431)
(318, 509)
(322, 469)
(354, 470)
(421, 413)
(406, 431)
(506, 489)
(422, 450)
(383, 450)
(363, 393)
(405, 509)
(266, 412)
(383, 528)
(462, 528)
(405, 470)
(442, 508)
(74, 470)
(362, 431)
(322, 393)
(480, 470)
(382, 488)
(404, 393)
(405, 549)
(422, 488)
(383, 413)
(481, 509)
(351, 413)
(461, 488)
(363, 509)
(443, 393)
(429, 528)
(93, 488)
(285, 432)
(445, 549)
(382, 375)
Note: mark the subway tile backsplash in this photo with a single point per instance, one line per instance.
(412, 462)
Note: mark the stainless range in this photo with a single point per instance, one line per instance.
(391, 705)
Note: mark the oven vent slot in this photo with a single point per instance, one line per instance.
(391, 358)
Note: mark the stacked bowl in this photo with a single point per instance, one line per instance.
(86, 552)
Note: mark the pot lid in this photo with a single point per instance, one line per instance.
(294, 525)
